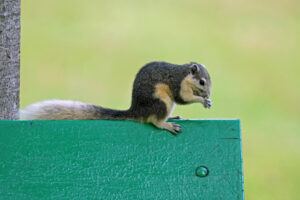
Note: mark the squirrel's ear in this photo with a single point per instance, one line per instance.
(194, 68)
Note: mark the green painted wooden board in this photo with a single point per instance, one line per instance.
(119, 160)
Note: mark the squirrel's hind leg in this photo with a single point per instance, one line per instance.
(172, 127)
(162, 124)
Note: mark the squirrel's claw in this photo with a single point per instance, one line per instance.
(207, 103)
(175, 128)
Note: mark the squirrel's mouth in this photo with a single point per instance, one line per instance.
(200, 92)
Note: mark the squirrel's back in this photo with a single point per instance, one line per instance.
(154, 73)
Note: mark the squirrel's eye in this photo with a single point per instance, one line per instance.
(202, 82)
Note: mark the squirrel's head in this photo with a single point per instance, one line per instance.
(203, 82)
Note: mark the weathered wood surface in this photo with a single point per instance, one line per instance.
(119, 160)
(9, 58)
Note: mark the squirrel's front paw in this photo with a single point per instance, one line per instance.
(207, 103)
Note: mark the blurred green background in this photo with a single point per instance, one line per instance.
(91, 50)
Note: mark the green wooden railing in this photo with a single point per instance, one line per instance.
(120, 160)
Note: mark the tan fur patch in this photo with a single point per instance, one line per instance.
(188, 89)
(163, 92)
(151, 119)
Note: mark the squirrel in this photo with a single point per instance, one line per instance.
(157, 87)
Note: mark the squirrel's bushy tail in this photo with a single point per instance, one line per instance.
(70, 110)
